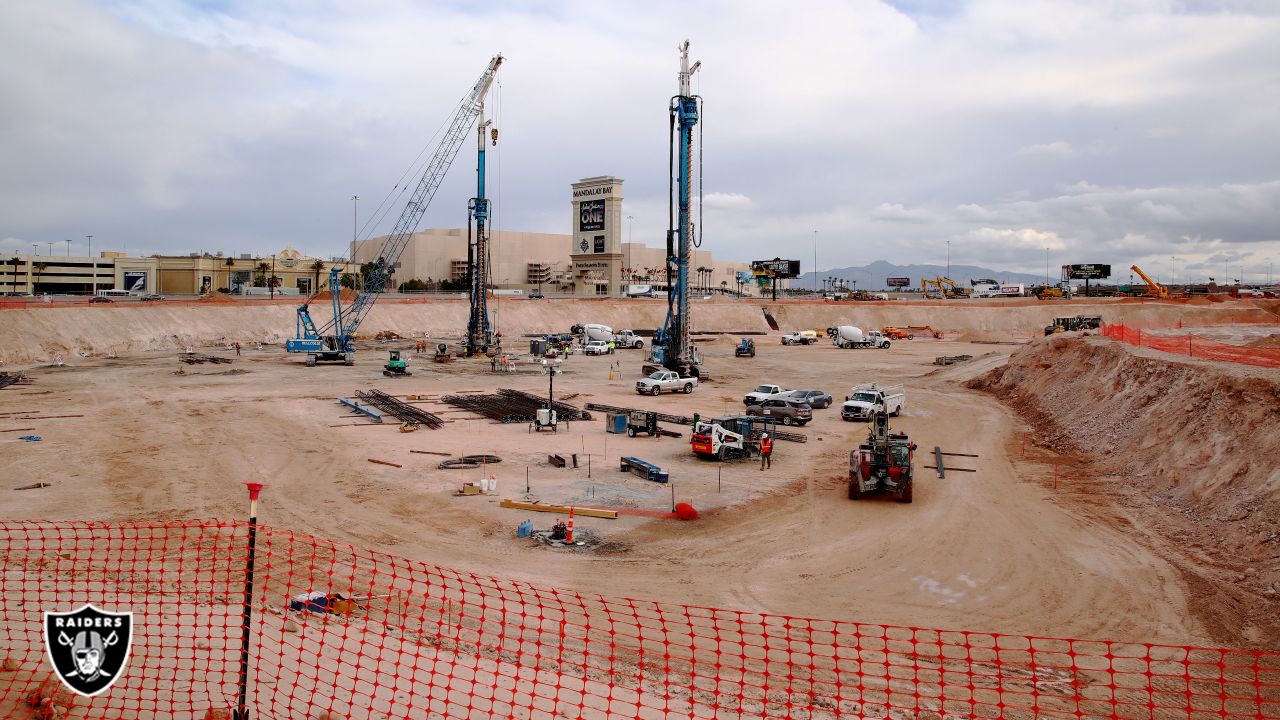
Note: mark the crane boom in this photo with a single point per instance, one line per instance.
(1154, 289)
(334, 339)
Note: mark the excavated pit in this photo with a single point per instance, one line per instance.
(1186, 449)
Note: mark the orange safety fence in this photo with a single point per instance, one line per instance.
(337, 631)
(1194, 346)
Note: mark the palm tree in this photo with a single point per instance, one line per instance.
(316, 267)
(262, 269)
(229, 263)
(39, 268)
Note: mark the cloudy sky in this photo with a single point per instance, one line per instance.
(1114, 132)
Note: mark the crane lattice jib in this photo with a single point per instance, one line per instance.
(434, 174)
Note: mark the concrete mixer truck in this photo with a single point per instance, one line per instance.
(604, 333)
(848, 336)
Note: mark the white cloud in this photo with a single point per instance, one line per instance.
(1056, 149)
(976, 212)
(13, 242)
(727, 201)
(241, 126)
(897, 212)
(1022, 238)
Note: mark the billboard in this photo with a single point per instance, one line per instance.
(590, 215)
(897, 282)
(135, 281)
(776, 267)
(1086, 272)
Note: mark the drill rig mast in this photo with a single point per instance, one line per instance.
(480, 337)
(672, 347)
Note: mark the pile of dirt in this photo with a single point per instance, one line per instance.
(1270, 341)
(217, 298)
(1187, 446)
(348, 296)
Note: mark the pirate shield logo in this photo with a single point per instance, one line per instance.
(88, 647)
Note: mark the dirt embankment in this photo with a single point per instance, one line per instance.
(34, 335)
(1186, 451)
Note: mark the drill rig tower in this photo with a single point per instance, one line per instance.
(480, 337)
(672, 347)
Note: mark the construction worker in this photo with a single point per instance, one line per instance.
(766, 451)
(237, 347)
(611, 346)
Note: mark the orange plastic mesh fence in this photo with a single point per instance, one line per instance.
(376, 636)
(1194, 346)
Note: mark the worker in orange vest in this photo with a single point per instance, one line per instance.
(766, 451)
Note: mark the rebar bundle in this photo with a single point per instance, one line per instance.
(399, 409)
(194, 359)
(513, 406)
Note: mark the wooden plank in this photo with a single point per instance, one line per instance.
(384, 462)
(959, 454)
(561, 509)
(432, 452)
(937, 453)
(48, 417)
(950, 469)
(18, 430)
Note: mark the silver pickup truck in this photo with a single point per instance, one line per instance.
(665, 381)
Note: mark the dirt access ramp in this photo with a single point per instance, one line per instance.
(1184, 452)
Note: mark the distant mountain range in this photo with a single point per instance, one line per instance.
(872, 276)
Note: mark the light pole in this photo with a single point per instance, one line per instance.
(815, 259)
(35, 249)
(49, 252)
(630, 239)
(93, 280)
(355, 203)
(68, 241)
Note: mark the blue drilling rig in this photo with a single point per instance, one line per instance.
(672, 347)
(335, 340)
(480, 337)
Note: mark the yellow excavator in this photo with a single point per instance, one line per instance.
(1154, 289)
(945, 287)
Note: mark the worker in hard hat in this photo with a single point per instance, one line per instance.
(766, 451)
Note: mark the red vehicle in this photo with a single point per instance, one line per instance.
(884, 462)
(894, 333)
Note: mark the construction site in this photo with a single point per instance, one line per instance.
(646, 507)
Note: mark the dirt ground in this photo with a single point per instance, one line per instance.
(994, 550)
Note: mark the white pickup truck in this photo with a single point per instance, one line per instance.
(665, 381)
(867, 400)
(762, 393)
